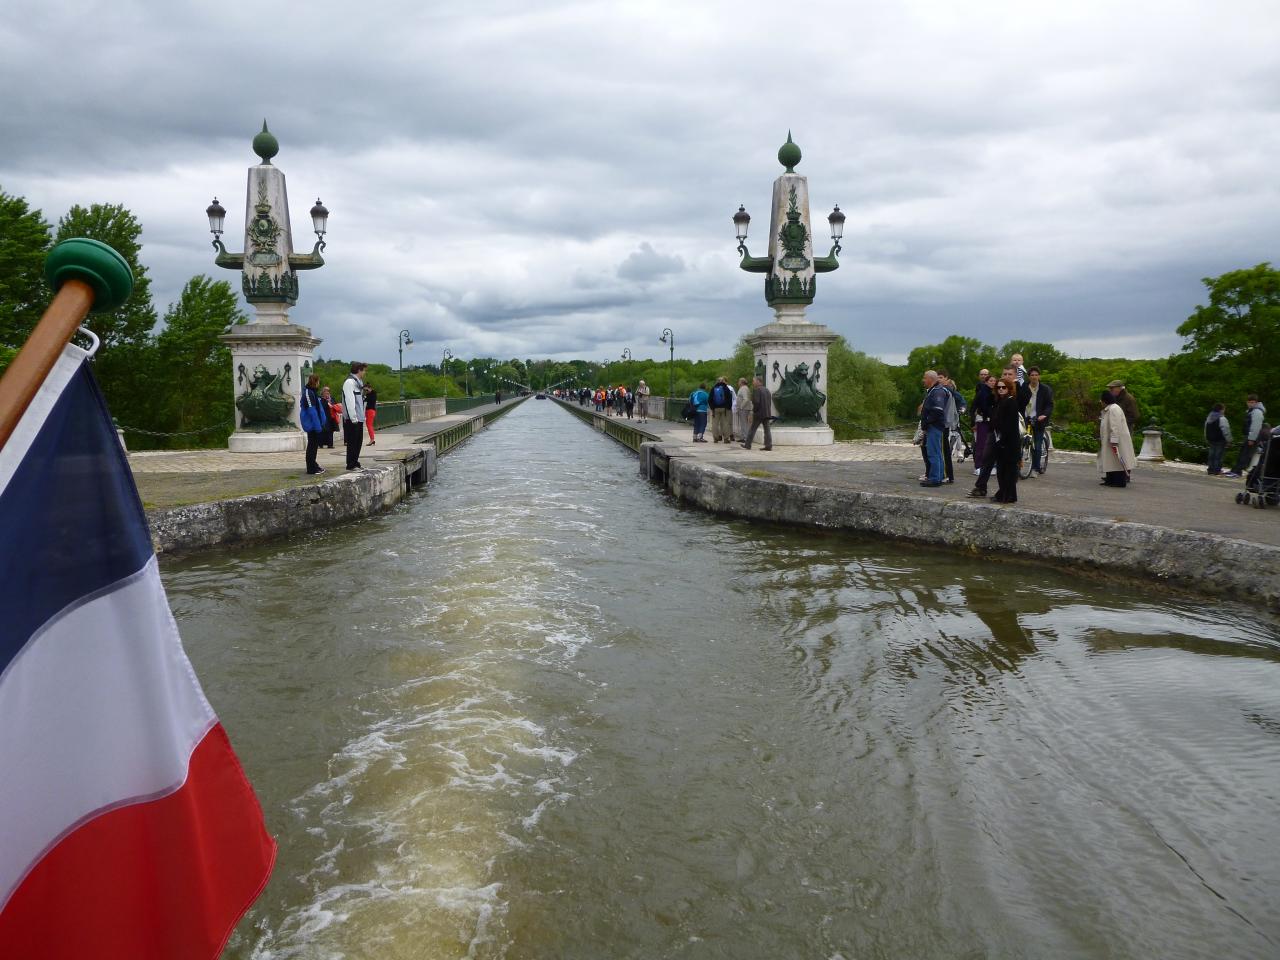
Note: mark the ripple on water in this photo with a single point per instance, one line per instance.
(537, 712)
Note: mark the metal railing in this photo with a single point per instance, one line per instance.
(450, 437)
(624, 431)
(392, 413)
(459, 404)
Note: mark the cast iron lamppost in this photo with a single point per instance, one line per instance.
(403, 340)
(267, 354)
(670, 338)
(626, 354)
(445, 357)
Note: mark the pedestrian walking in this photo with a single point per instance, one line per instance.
(1217, 434)
(761, 412)
(642, 401)
(700, 401)
(742, 412)
(370, 410)
(1115, 452)
(721, 404)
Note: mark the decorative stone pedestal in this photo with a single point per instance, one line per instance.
(270, 363)
(791, 348)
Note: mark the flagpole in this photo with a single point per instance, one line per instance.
(87, 275)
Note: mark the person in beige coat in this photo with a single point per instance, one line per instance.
(742, 412)
(1115, 456)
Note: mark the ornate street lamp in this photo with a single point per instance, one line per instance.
(626, 354)
(670, 338)
(269, 353)
(445, 357)
(403, 340)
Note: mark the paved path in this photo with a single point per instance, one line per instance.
(1180, 496)
(172, 478)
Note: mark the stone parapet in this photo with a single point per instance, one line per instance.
(1204, 562)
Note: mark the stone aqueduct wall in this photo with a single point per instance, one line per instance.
(1203, 562)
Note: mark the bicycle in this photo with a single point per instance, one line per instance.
(1028, 439)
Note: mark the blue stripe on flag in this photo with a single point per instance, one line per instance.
(71, 522)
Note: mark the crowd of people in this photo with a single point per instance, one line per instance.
(1015, 406)
(1217, 435)
(617, 401)
(320, 416)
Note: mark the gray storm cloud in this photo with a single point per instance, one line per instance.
(557, 178)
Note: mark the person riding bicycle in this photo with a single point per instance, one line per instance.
(1037, 410)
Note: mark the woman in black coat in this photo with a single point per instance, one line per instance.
(1008, 442)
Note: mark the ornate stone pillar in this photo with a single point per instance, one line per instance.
(271, 357)
(790, 352)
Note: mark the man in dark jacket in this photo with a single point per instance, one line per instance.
(933, 417)
(761, 412)
(1217, 434)
(1126, 401)
(1037, 410)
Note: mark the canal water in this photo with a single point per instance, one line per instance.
(542, 712)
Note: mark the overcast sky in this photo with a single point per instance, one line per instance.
(557, 179)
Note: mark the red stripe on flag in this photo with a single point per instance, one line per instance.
(164, 879)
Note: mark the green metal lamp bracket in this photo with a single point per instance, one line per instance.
(754, 264)
(829, 262)
(232, 261)
(308, 261)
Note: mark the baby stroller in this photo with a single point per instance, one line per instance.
(1262, 482)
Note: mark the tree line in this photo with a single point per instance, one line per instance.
(166, 378)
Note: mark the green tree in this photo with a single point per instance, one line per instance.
(190, 367)
(24, 243)
(861, 393)
(962, 358)
(123, 363)
(118, 228)
(1034, 354)
(1235, 335)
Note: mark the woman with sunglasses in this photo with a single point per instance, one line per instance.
(1008, 440)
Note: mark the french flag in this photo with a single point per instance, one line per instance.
(127, 827)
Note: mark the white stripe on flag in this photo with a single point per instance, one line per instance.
(19, 442)
(101, 708)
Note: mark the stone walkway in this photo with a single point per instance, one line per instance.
(173, 478)
(1179, 496)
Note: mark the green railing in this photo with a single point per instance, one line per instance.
(392, 413)
(621, 430)
(459, 404)
(448, 438)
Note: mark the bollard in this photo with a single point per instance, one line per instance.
(1152, 445)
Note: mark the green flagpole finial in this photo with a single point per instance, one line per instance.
(95, 263)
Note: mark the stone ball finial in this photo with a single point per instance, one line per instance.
(789, 154)
(265, 144)
(97, 264)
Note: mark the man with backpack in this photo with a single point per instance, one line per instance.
(721, 404)
(1217, 434)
